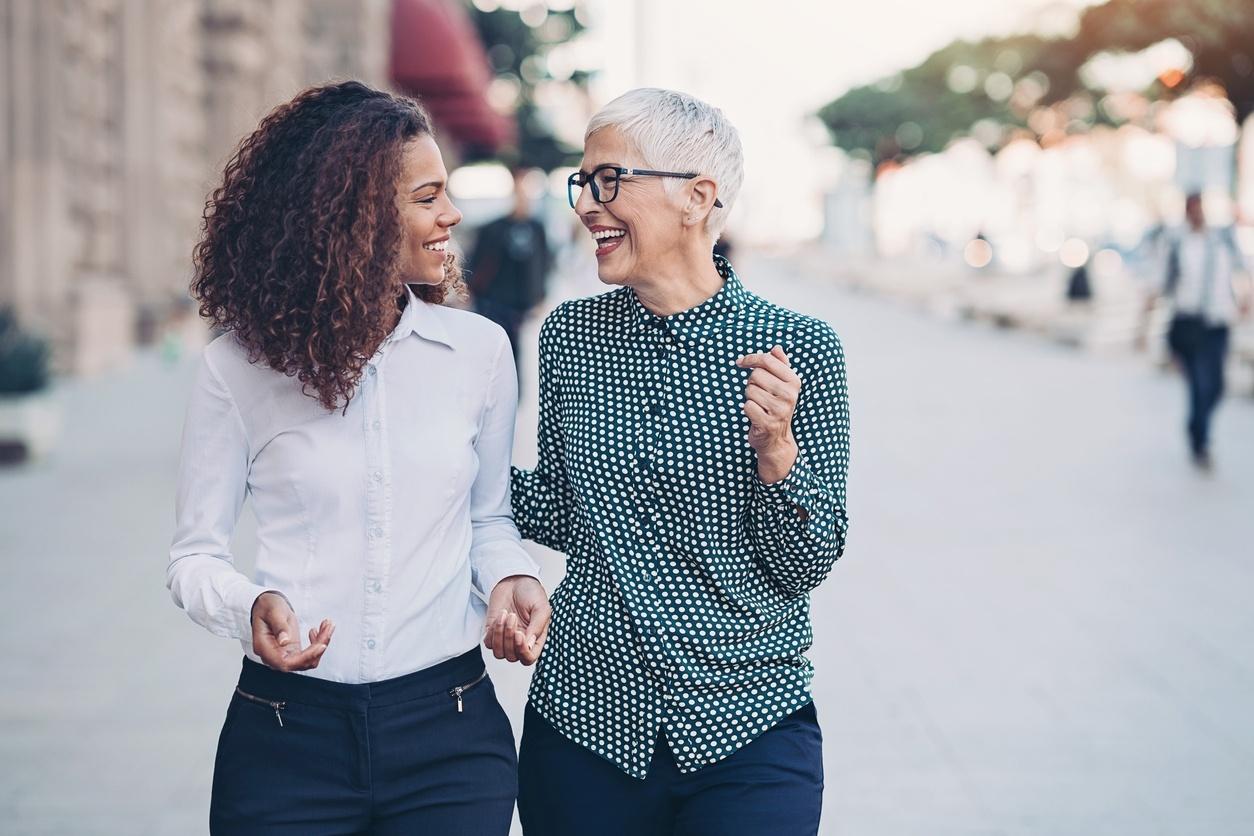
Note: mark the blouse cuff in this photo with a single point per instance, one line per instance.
(796, 490)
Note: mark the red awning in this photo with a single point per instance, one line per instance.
(437, 56)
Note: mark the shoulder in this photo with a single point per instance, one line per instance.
(806, 338)
(589, 313)
(470, 330)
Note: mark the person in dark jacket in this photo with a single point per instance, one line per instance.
(510, 264)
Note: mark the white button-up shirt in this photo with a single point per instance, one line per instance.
(392, 519)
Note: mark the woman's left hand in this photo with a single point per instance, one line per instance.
(518, 619)
(771, 394)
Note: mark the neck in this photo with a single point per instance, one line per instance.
(683, 283)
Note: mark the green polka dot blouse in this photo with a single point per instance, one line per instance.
(685, 607)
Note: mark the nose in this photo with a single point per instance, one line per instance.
(584, 204)
(451, 217)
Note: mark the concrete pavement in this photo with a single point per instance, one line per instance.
(1041, 626)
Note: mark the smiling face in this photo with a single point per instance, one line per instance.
(641, 227)
(427, 213)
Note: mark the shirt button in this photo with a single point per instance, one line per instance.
(370, 644)
(661, 352)
(376, 532)
(656, 408)
(372, 371)
(376, 425)
(377, 476)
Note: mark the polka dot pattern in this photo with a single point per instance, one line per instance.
(685, 608)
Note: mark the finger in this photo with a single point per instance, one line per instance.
(305, 659)
(778, 351)
(771, 383)
(537, 632)
(288, 630)
(769, 403)
(757, 415)
(498, 638)
(509, 637)
(764, 397)
(780, 368)
(325, 630)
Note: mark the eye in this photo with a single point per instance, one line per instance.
(606, 178)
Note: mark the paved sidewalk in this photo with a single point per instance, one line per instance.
(1042, 624)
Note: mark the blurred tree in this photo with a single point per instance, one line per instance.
(517, 48)
(1002, 79)
(923, 108)
(1218, 33)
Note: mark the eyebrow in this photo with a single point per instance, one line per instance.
(436, 183)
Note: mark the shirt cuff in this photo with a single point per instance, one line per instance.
(240, 606)
(494, 562)
(795, 490)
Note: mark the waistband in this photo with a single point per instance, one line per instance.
(267, 683)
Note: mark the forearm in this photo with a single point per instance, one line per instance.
(798, 526)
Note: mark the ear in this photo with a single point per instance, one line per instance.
(702, 193)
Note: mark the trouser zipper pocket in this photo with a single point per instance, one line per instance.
(276, 705)
(457, 692)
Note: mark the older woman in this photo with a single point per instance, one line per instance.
(694, 440)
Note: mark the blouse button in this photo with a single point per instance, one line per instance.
(370, 644)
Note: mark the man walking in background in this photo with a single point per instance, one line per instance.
(1200, 278)
(510, 264)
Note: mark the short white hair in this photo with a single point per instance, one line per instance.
(673, 131)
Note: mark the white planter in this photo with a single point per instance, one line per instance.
(33, 421)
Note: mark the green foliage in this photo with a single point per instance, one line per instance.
(23, 359)
(869, 119)
(511, 43)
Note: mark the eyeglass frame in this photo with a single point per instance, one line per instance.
(620, 171)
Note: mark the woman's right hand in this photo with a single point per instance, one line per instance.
(276, 635)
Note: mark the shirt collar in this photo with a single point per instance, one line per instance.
(421, 318)
(695, 323)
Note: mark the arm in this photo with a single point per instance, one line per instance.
(212, 481)
(542, 498)
(201, 574)
(797, 519)
(496, 550)
(518, 607)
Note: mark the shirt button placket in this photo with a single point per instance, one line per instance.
(377, 507)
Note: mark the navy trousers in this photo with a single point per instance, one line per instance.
(1201, 349)
(299, 755)
(773, 785)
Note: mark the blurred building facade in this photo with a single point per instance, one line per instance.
(116, 117)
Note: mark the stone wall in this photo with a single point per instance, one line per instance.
(116, 117)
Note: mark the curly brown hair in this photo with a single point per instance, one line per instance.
(300, 251)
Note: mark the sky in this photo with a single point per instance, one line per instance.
(768, 65)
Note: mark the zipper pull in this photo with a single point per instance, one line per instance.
(278, 716)
(457, 692)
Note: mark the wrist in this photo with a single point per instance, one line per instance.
(270, 592)
(776, 462)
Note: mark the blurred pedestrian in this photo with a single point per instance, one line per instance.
(510, 264)
(371, 427)
(694, 440)
(1202, 268)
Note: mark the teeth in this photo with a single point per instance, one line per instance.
(438, 247)
(609, 233)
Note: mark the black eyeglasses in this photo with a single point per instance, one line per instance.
(604, 181)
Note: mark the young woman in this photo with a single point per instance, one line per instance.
(372, 430)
